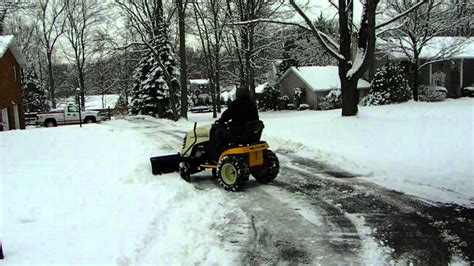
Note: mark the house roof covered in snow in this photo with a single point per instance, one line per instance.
(8, 41)
(260, 87)
(321, 78)
(199, 81)
(437, 47)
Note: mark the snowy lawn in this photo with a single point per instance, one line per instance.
(86, 196)
(423, 149)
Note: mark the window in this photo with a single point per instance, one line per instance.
(72, 109)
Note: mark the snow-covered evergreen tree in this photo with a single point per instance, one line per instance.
(269, 98)
(151, 94)
(388, 86)
(170, 96)
(289, 57)
(35, 97)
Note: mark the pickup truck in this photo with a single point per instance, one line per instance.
(66, 116)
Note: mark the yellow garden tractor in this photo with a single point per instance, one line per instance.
(241, 156)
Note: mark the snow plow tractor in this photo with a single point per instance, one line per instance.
(241, 156)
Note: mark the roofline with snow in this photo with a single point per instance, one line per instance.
(16, 51)
(295, 70)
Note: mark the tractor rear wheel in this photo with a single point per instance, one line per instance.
(233, 172)
(268, 170)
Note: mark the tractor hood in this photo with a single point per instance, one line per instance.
(202, 135)
(201, 131)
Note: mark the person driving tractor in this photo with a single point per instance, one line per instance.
(240, 111)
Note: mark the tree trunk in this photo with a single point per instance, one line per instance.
(81, 86)
(350, 96)
(213, 96)
(348, 85)
(182, 60)
(415, 77)
(218, 88)
(51, 80)
(251, 69)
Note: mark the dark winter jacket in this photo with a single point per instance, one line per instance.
(240, 111)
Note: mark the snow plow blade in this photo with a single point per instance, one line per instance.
(165, 164)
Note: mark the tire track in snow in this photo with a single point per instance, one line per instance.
(286, 229)
(416, 231)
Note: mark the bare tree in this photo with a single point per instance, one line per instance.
(247, 17)
(181, 7)
(52, 21)
(9, 6)
(355, 48)
(82, 19)
(211, 19)
(417, 31)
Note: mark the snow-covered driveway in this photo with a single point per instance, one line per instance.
(83, 196)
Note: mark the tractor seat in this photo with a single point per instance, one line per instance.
(251, 133)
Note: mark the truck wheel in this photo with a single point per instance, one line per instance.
(233, 172)
(268, 170)
(50, 123)
(89, 120)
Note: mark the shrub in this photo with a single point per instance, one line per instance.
(331, 101)
(388, 86)
(283, 102)
(291, 106)
(298, 96)
(376, 98)
(432, 93)
(303, 106)
(269, 98)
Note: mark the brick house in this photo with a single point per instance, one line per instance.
(11, 102)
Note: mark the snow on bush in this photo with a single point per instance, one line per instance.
(269, 98)
(388, 86)
(303, 106)
(283, 102)
(331, 101)
(432, 93)
(298, 96)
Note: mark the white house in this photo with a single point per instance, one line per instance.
(315, 82)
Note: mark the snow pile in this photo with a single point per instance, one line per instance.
(98, 203)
